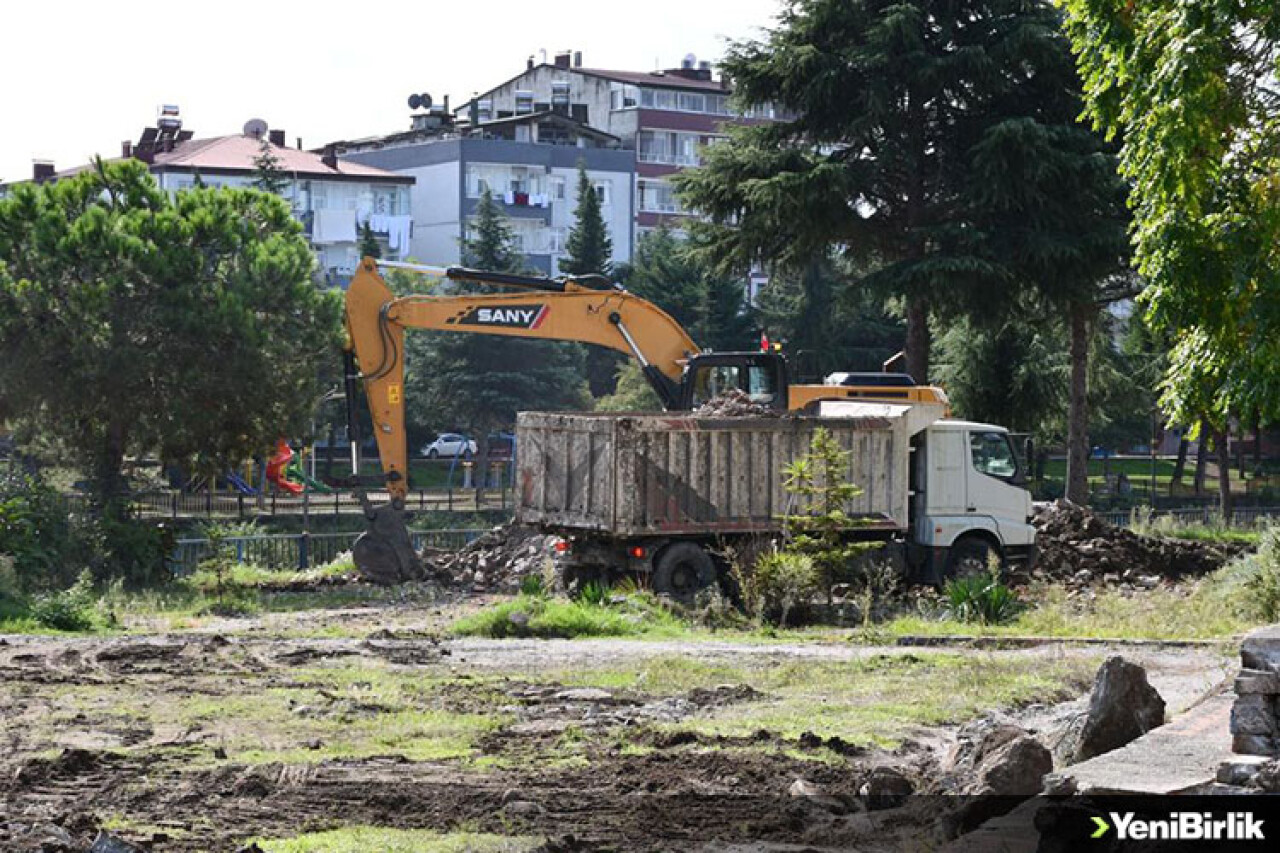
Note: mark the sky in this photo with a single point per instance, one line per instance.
(80, 77)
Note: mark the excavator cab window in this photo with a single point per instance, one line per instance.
(761, 376)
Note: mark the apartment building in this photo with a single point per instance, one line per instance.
(330, 197)
(667, 117)
(528, 162)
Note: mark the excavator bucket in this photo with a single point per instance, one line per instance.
(384, 553)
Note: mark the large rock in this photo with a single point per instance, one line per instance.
(1123, 707)
(1015, 769)
(1261, 650)
(993, 758)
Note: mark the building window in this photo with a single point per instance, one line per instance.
(604, 192)
(557, 188)
(623, 96)
(657, 196)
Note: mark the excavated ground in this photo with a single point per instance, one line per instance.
(197, 742)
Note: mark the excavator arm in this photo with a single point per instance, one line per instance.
(546, 309)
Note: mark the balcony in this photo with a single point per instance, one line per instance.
(663, 158)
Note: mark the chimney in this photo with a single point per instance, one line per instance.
(42, 170)
(577, 59)
(276, 138)
(563, 58)
(446, 106)
(686, 64)
(330, 157)
(704, 70)
(126, 149)
(528, 64)
(299, 143)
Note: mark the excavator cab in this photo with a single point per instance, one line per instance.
(762, 376)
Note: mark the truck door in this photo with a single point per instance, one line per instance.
(992, 487)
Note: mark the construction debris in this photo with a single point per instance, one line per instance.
(1081, 549)
(495, 562)
(734, 403)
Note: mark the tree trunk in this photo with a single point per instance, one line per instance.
(1239, 451)
(1202, 456)
(918, 339)
(108, 470)
(1179, 467)
(1078, 410)
(1257, 443)
(1224, 473)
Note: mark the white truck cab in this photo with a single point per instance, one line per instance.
(968, 499)
(967, 502)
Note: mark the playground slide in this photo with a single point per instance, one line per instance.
(295, 471)
(237, 482)
(276, 466)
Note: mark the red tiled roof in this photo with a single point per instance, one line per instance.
(238, 152)
(666, 80)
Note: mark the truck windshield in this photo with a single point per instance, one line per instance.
(993, 455)
(757, 380)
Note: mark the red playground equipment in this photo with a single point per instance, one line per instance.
(276, 466)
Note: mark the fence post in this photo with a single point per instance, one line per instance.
(208, 503)
(173, 500)
(240, 506)
(273, 504)
(336, 509)
(303, 544)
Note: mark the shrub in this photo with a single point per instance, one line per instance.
(981, 598)
(71, 609)
(594, 593)
(533, 586)
(1250, 585)
(781, 585)
(35, 531)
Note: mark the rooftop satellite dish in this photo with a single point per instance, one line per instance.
(422, 101)
(255, 128)
(690, 61)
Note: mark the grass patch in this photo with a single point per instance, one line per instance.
(250, 576)
(637, 614)
(363, 839)
(335, 712)
(1206, 610)
(877, 700)
(1141, 521)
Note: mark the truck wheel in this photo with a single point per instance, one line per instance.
(681, 570)
(971, 556)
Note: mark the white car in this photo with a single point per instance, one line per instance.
(449, 444)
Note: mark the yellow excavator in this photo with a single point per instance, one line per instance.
(582, 309)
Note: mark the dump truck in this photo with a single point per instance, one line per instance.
(666, 495)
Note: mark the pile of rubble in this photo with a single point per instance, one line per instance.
(1079, 547)
(495, 562)
(734, 403)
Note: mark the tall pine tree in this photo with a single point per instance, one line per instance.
(267, 174)
(590, 251)
(885, 106)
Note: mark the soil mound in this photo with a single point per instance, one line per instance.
(1076, 545)
(495, 562)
